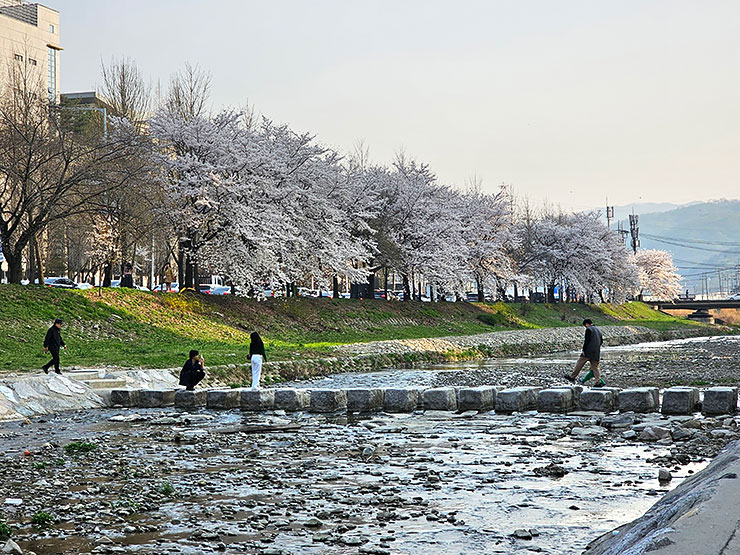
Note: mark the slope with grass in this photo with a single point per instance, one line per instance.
(128, 328)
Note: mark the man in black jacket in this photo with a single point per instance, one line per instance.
(52, 342)
(591, 353)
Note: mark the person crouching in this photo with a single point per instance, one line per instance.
(192, 371)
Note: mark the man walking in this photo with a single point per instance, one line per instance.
(591, 353)
(52, 342)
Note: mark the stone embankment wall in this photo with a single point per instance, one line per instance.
(699, 517)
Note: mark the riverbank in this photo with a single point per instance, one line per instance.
(127, 328)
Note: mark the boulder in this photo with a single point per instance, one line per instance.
(517, 399)
(149, 398)
(185, 399)
(364, 400)
(400, 400)
(601, 400)
(223, 398)
(680, 400)
(654, 433)
(125, 397)
(291, 399)
(440, 398)
(639, 399)
(719, 400)
(555, 400)
(476, 398)
(257, 399)
(328, 400)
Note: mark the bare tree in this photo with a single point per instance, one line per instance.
(189, 92)
(125, 90)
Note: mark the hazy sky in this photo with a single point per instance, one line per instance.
(569, 100)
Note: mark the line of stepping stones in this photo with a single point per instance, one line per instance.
(560, 399)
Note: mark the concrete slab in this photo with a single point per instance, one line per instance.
(125, 397)
(328, 400)
(555, 400)
(517, 399)
(639, 399)
(151, 398)
(476, 398)
(364, 400)
(222, 399)
(601, 400)
(190, 399)
(257, 399)
(680, 400)
(440, 398)
(400, 400)
(719, 400)
(291, 400)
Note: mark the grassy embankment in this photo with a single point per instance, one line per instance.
(130, 328)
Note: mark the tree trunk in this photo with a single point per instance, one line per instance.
(481, 292)
(335, 286)
(39, 262)
(107, 274)
(15, 267)
(385, 283)
(516, 292)
(370, 286)
(406, 288)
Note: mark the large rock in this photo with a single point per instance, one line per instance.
(364, 400)
(291, 400)
(517, 399)
(328, 400)
(555, 400)
(125, 397)
(719, 400)
(185, 399)
(440, 398)
(223, 398)
(400, 400)
(680, 400)
(149, 398)
(476, 398)
(639, 399)
(601, 400)
(257, 399)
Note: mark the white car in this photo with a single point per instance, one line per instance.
(83, 285)
(735, 297)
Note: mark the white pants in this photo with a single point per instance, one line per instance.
(256, 371)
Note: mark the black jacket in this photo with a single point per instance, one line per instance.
(592, 343)
(53, 339)
(257, 348)
(191, 372)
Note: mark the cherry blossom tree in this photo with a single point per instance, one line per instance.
(657, 274)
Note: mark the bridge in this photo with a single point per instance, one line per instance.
(695, 305)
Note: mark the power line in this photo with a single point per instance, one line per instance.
(676, 244)
(695, 241)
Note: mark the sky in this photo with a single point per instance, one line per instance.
(567, 101)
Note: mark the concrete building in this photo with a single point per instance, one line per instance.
(29, 35)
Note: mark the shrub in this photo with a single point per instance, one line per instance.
(5, 531)
(79, 447)
(42, 518)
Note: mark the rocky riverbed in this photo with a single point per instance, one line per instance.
(158, 481)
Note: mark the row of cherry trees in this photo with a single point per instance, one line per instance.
(259, 203)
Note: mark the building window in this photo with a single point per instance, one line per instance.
(18, 57)
(52, 75)
(52, 29)
(32, 61)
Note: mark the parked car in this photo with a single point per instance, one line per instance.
(222, 290)
(537, 297)
(115, 283)
(83, 285)
(62, 282)
(174, 288)
(735, 297)
(380, 294)
(208, 288)
(471, 297)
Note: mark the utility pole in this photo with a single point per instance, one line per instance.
(634, 231)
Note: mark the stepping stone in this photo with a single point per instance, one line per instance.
(601, 400)
(291, 400)
(150, 398)
(257, 399)
(328, 400)
(364, 400)
(719, 400)
(400, 400)
(575, 389)
(516, 399)
(639, 399)
(125, 397)
(680, 400)
(223, 398)
(555, 400)
(440, 398)
(189, 399)
(476, 398)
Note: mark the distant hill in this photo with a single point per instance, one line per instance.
(703, 237)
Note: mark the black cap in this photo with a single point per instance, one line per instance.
(58, 321)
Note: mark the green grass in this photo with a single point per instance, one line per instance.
(132, 328)
(42, 519)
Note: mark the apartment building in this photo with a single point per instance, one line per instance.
(29, 35)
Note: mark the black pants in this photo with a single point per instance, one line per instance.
(192, 379)
(54, 360)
